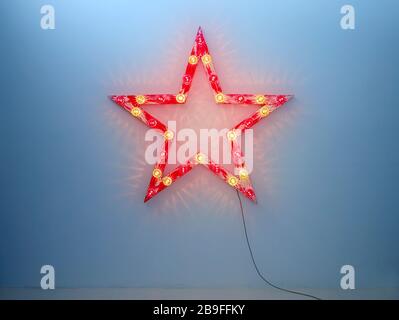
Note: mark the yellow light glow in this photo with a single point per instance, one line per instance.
(243, 173)
(264, 111)
(140, 99)
(181, 98)
(220, 97)
(231, 135)
(135, 111)
(232, 181)
(168, 135)
(167, 181)
(206, 59)
(200, 158)
(157, 173)
(192, 59)
(260, 99)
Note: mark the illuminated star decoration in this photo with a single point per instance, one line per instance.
(160, 180)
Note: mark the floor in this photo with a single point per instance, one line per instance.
(195, 293)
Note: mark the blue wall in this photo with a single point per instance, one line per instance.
(73, 175)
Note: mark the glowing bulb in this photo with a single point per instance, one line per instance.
(168, 135)
(260, 99)
(264, 111)
(231, 135)
(192, 59)
(181, 98)
(157, 173)
(220, 98)
(167, 181)
(200, 158)
(206, 59)
(232, 181)
(140, 99)
(243, 173)
(135, 111)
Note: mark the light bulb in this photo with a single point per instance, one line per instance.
(232, 181)
(220, 97)
(186, 79)
(243, 173)
(168, 135)
(200, 158)
(152, 123)
(264, 111)
(157, 173)
(206, 58)
(213, 77)
(181, 98)
(260, 99)
(167, 181)
(192, 59)
(231, 135)
(135, 111)
(140, 99)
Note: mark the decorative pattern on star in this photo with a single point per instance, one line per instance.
(161, 180)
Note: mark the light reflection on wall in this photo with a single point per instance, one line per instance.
(200, 111)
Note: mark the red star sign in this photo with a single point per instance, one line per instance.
(160, 180)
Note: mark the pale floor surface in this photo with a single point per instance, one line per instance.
(192, 293)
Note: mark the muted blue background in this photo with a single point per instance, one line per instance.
(72, 170)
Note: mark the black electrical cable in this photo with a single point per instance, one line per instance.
(254, 262)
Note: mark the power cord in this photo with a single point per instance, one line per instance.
(254, 262)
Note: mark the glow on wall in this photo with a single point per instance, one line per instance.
(161, 179)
